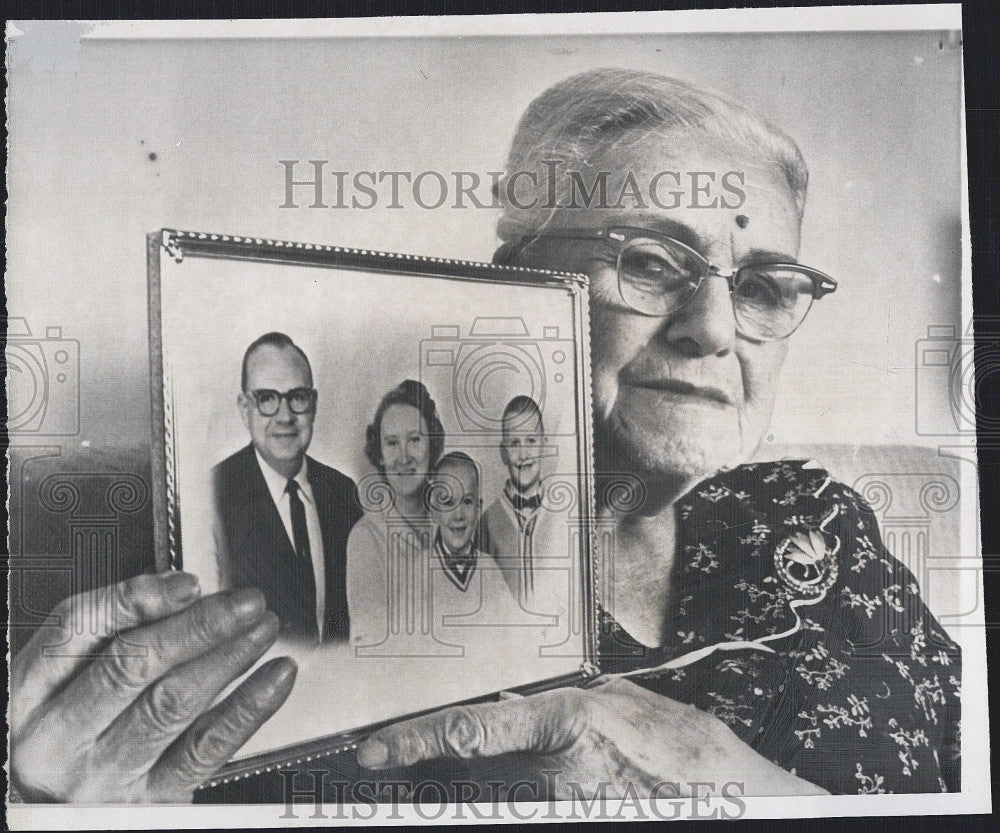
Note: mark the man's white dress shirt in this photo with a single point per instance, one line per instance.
(277, 485)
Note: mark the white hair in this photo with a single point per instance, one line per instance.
(582, 117)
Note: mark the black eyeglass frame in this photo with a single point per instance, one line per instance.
(823, 284)
(256, 395)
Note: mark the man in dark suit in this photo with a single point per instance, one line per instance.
(282, 517)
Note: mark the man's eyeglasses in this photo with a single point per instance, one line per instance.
(268, 402)
(658, 275)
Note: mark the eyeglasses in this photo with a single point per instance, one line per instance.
(658, 275)
(268, 402)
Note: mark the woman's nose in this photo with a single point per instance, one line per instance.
(706, 325)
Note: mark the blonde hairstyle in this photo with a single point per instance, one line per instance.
(576, 121)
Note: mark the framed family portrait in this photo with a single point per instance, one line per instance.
(394, 450)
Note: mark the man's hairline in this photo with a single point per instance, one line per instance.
(293, 348)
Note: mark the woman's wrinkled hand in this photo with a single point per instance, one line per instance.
(112, 699)
(617, 737)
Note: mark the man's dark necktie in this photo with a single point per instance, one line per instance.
(300, 536)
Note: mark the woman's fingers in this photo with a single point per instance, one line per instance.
(215, 736)
(142, 732)
(134, 660)
(543, 723)
(80, 625)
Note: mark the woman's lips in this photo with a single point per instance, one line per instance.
(679, 387)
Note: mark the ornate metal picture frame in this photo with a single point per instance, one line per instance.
(499, 355)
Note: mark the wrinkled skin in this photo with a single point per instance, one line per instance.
(616, 738)
(123, 712)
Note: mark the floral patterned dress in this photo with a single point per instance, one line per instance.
(792, 623)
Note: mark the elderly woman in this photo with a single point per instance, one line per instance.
(761, 631)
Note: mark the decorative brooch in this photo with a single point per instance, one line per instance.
(806, 561)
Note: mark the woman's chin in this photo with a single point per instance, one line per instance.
(405, 486)
(673, 447)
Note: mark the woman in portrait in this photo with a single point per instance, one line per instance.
(403, 442)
